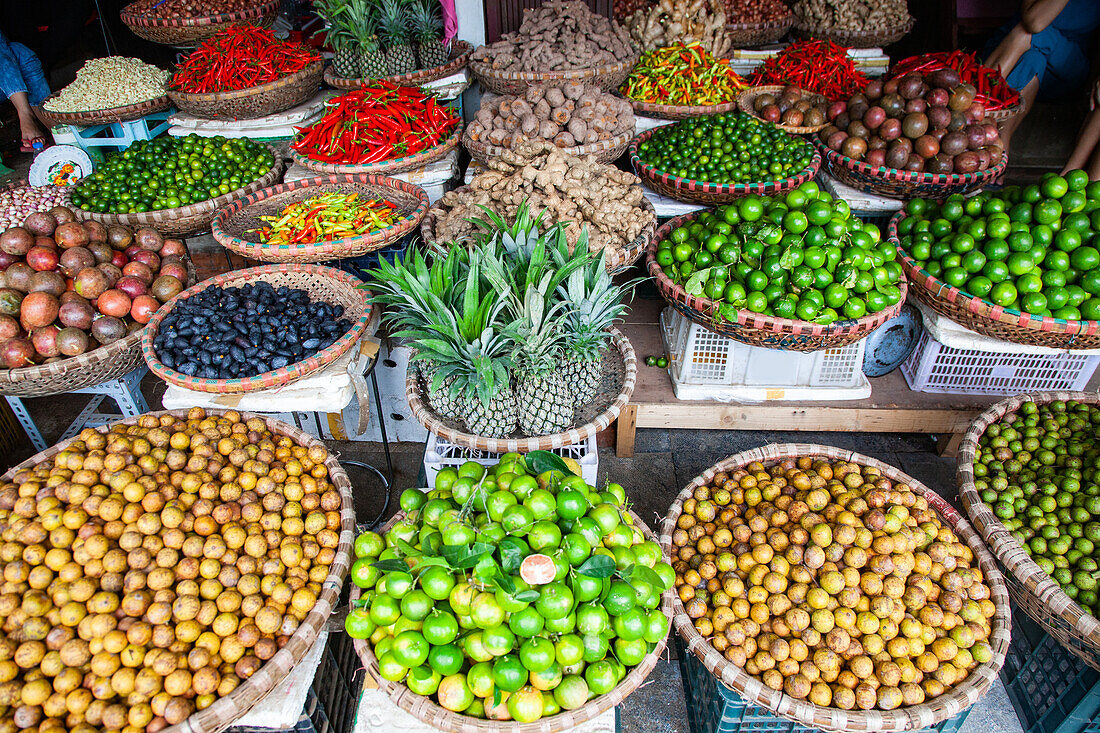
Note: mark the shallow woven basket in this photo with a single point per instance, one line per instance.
(679, 111)
(855, 39)
(386, 167)
(620, 370)
(899, 184)
(703, 192)
(225, 710)
(604, 151)
(616, 259)
(1000, 116)
(101, 116)
(234, 227)
(322, 283)
(252, 102)
(459, 56)
(753, 691)
(189, 31)
(747, 35)
(606, 77)
(439, 718)
(757, 329)
(985, 317)
(1029, 586)
(748, 98)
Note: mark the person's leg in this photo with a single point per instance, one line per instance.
(1008, 52)
(1087, 139)
(31, 69)
(1027, 97)
(14, 87)
(1093, 168)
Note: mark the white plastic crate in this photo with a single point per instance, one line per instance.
(707, 366)
(440, 453)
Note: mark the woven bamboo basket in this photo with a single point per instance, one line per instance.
(1029, 586)
(604, 151)
(225, 710)
(439, 718)
(100, 116)
(898, 184)
(384, 167)
(990, 319)
(322, 283)
(757, 329)
(459, 55)
(194, 218)
(620, 371)
(678, 111)
(704, 192)
(617, 259)
(234, 227)
(855, 39)
(1001, 116)
(753, 691)
(252, 102)
(748, 99)
(747, 35)
(190, 31)
(606, 77)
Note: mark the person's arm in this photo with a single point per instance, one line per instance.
(1036, 15)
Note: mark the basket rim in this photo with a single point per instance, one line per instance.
(400, 694)
(430, 420)
(95, 116)
(252, 690)
(1006, 548)
(275, 377)
(751, 320)
(787, 20)
(829, 34)
(483, 69)
(389, 166)
(753, 690)
(622, 140)
(314, 67)
(459, 56)
(129, 17)
(747, 97)
(922, 178)
(940, 290)
(379, 237)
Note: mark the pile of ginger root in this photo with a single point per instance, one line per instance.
(670, 22)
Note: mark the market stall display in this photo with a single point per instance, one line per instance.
(235, 636)
(582, 120)
(787, 107)
(300, 203)
(858, 23)
(184, 22)
(683, 22)
(821, 67)
(681, 81)
(991, 90)
(757, 22)
(19, 200)
(844, 532)
(561, 40)
(111, 89)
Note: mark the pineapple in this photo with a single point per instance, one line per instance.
(400, 58)
(545, 398)
(427, 29)
(371, 60)
(342, 37)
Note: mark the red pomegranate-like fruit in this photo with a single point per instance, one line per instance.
(38, 310)
(113, 302)
(16, 353)
(90, 282)
(143, 308)
(71, 234)
(132, 286)
(42, 259)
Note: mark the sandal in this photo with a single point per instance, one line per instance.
(29, 146)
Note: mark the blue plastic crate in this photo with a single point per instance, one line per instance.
(714, 708)
(1052, 690)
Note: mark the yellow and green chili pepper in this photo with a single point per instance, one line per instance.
(326, 218)
(684, 76)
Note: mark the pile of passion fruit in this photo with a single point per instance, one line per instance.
(152, 568)
(828, 581)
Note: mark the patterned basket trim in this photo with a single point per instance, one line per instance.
(391, 165)
(918, 177)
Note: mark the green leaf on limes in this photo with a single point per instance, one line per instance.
(694, 284)
(511, 554)
(527, 596)
(391, 566)
(541, 461)
(598, 566)
(463, 557)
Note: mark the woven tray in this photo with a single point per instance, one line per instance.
(225, 710)
(753, 691)
(606, 77)
(189, 31)
(252, 102)
(702, 192)
(757, 329)
(604, 151)
(459, 55)
(1028, 585)
(234, 226)
(748, 98)
(620, 370)
(386, 167)
(184, 221)
(855, 39)
(325, 283)
(1000, 116)
(678, 111)
(439, 718)
(100, 116)
(747, 35)
(894, 183)
(983, 316)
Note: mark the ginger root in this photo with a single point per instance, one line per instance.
(681, 21)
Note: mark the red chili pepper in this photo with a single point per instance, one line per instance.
(992, 90)
(240, 57)
(818, 66)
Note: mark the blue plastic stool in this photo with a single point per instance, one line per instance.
(117, 134)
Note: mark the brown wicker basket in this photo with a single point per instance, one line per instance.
(100, 116)
(1001, 116)
(855, 39)
(894, 183)
(620, 370)
(677, 111)
(757, 329)
(459, 56)
(235, 225)
(753, 691)
(747, 35)
(985, 317)
(605, 151)
(748, 99)
(227, 709)
(190, 31)
(1029, 586)
(384, 167)
(324, 283)
(516, 82)
(252, 102)
(194, 218)
(704, 192)
(439, 718)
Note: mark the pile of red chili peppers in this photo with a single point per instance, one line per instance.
(993, 91)
(376, 122)
(238, 58)
(819, 66)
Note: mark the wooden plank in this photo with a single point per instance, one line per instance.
(625, 431)
(795, 416)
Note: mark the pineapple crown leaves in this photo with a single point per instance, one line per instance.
(427, 21)
(363, 17)
(594, 303)
(540, 328)
(392, 20)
